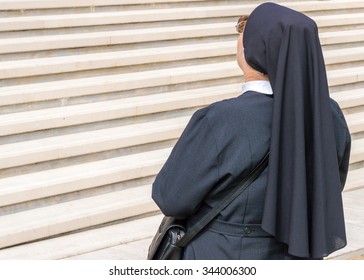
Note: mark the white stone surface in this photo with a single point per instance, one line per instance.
(90, 241)
(34, 120)
(194, 55)
(64, 146)
(77, 214)
(50, 182)
(122, 17)
(111, 83)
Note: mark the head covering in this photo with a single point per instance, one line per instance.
(303, 203)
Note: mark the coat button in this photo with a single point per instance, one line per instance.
(247, 230)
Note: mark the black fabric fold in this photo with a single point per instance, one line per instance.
(303, 205)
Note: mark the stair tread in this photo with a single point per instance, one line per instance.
(110, 202)
(60, 41)
(120, 17)
(75, 114)
(68, 216)
(355, 179)
(344, 55)
(101, 84)
(117, 108)
(47, 4)
(84, 206)
(50, 148)
(94, 141)
(349, 98)
(38, 146)
(345, 75)
(26, 187)
(44, 4)
(78, 243)
(346, 36)
(48, 42)
(52, 65)
(357, 150)
(355, 122)
(86, 172)
(355, 117)
(341, 96)
(43, 66)
(55, 181)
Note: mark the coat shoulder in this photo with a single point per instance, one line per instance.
(242, 104)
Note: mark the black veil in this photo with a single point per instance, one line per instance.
(303, 204)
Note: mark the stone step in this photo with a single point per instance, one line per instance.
(355, 122)
(122, 236)
(113, 109)
(135, 106)
(92, 240)
(51, 182)
(51, 148)
(136, 250)
(113, 83)
(355, 180)
(339, 20)
(121, 82)
(73, 63)
(344, 76)
(51, 4)
(357, 150)
(349, 98)
(343, 55)
(156, 15)
(69, 216)
(103, 38)
(341, 37)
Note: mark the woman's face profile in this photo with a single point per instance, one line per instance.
(240, 55)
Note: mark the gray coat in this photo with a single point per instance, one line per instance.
(221, 144)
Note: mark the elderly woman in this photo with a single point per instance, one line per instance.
(293, 210)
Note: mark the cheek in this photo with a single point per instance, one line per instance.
(240, 58)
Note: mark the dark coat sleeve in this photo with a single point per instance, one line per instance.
(344, 164)
(343, 141)
(190, 171)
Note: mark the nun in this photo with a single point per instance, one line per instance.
(294, 209)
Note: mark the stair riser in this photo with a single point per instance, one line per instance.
(138, 36)
(41, 4)
(62, 186)
(137, 58)
(100, 19)
(55, 121)
(124, 83)
(35, 233)
(68, 186)
(94, 146)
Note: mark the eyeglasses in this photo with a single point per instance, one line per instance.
(240, 26)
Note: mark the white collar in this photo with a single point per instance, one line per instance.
(258, 86)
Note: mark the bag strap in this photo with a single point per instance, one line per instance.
(235, 192)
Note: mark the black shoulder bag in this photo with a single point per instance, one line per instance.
(172, 236)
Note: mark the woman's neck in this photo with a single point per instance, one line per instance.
(256, 76)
